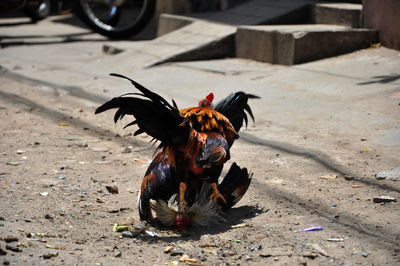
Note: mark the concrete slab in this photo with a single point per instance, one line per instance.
(217, 40)
(199, 40)
(343, 14)
(294, 44)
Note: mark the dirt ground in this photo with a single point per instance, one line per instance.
(57, 158)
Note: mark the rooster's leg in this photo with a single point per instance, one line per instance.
(215, 195)
(182, 201)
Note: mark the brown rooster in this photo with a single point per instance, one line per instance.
(194, 146)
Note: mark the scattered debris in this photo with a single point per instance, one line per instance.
(168, 249)
(54, 247)
(176, 251)
(10, 239)
(185, 258)
(209, 245)
(310, 255)
(62, 124)
(330, 176)
(111, 50)
(384, 199)
(356, 186)
(120, 228)
(99, 200)
(50, 255)
(317, 248)
(130, 234)
(150, 233)
(348, 177)
(2, 252)
(335, 239)
(13, 249)
(314, 228)
(112, 189)
(48, 217)
(14, 163)
(140, 161)
(44, 193)
(238, 225)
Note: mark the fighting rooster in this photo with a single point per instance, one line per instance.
(194, 144)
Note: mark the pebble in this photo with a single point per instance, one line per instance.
(10, 239)
(2, 252)
(48, 217)
(176, 251)
(392, 174)
(364, 254)
(112, 189)
(14, 249)
(117, 254)
(130, 234)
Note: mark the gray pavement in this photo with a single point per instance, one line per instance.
(335, 94)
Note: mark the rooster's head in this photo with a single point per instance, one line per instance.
(207, 102)
(182, 221)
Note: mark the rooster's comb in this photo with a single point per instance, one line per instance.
(210, 97)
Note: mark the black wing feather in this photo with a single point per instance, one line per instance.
(234, 107)
(154, 115)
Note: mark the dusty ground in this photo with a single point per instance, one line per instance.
(66, 156)
(322, 132)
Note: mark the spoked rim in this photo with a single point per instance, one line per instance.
(112, 11)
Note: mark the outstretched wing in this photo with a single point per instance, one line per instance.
(154, 115)
(234, 107)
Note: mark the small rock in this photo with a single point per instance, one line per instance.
(168, 249)
(130, 234)
(99, 200)
(61, 177)
(127, 150)
(111, 50)
(276, 258)
(112, 189)
(256, 248)
(48, 217)
(384, 199)
(13, 249)
(176, 251)
(392, 174)
(355, 252)
(364, 254)
(2, 252)
(6, 262)
(117, 254)
(10, 239)
(348, 177)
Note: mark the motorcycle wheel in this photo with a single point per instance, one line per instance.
(116, 21)
(37, 10)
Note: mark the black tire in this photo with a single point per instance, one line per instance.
(38, 10)
(108, 26)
